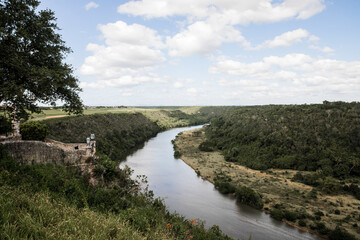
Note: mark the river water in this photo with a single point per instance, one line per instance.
(185, 193)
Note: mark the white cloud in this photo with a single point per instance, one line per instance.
(314, 38)
(192, 91)
(235, 11)
(285, 39)
(130, 53)
(291, 75)
(91, 5)
(322, 49)
(134, 34)
(182, 82)
(212, 22)
(124, 81)
(202, 37)
(178, 85)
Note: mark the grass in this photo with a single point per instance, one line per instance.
(38, 216)
(54, 202)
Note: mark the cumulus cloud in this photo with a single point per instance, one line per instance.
(210, 23)
(91, 5)
(285, 39)
(236, 11)
(129, 54)
(202, 37)
(295, 73)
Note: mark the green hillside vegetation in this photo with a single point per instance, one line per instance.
(52, 202)
(324, 137)
(116, 134)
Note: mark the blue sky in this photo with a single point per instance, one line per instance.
(212, 52)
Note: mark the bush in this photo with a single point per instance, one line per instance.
(277, 214)
(224, 187)
(290, 216)
(339, 234)
(206, 146)
(302, 223)
(177, 154)
(34, 131)
(248, 196)
(5, 125)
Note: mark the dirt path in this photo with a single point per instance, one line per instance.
(56, 116)
(275, 186)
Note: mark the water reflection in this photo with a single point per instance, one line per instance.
(189, 195)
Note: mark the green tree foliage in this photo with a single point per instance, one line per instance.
(34, 131)
(5, 125)
(318, 137)
(31, 60)
(116, 134)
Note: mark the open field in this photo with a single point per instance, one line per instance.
(276, 188)
(47, 113)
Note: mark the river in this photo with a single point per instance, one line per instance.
(187, 194)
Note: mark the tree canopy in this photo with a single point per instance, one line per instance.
(32, 53)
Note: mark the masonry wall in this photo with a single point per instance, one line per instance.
(29, 152)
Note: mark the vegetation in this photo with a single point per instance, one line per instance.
(5, 125)
(34, 131)
(323, 138)
(243, 194)
(116, 134)
(31, 60)
(314, 209)
(30, 193)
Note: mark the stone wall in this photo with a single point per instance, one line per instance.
(29, 152)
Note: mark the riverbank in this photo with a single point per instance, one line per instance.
(320, 213)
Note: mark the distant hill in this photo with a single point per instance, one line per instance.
(319, 137)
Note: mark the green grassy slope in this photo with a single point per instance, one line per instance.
(53, 202)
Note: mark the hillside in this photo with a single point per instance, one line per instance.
(323, 138)
(117, 134)
(52, 202)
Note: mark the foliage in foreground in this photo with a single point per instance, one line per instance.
(64, 204)
(323, 137)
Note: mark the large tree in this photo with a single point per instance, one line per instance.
(32, 53)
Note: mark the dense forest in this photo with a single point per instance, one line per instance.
(318, 137)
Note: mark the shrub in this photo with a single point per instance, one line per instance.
(5, 125)
(34, 131)
(339, 234)
(277, 214)
(290, 216)
(206, 147)
(248, 196)
(177, 154)
(224, 187)
(302, 223)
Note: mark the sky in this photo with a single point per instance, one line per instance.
(212, 52)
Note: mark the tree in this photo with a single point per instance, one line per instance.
(32, 70)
